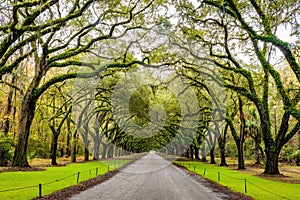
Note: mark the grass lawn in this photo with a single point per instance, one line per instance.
(67, 176)
(257, 187)
(291, 173)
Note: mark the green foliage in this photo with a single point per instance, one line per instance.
(231, 150)
(6, 155)
(139, 106)
(151, 104)
(295, 157)
(286, 153)
(249, 149)
(38, 149)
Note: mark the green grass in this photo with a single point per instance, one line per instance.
(258, 188)
(12, 180)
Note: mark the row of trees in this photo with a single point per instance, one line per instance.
(229, 52)
(245, 46)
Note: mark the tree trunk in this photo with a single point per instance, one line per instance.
(271, 150)
(25, 120)
(222, 142)
(222, 145)
(96, 137)
(14, 114)
(262, 154)
(222, 153)
(203, 153)
(104, 151)
(240, 142)
(86, 154)
(26, 115)
(68, 152)
(239, 145)
(96, 147)
(54, 149)
(271, 167)
(197, 153)
(86, 148)
(192, 151)
(8, 108)
(86, 142)
(212, 156)
(257, 146)
(74, 144)
(223, 157)
(110, 151)
(187, 153)
(212, 141)
(241, 161)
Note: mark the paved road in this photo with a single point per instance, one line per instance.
(149, 178)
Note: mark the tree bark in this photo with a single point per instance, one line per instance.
(197, 153)
(54, 149)
(96, 147)
(241, 161)
(104, 151)
(187, 153)
(86, 154)
(74, 149)
(257, 146)
(8, 108)
(212, 156)
(110, 152)
(223, 157)
(86, 145)
(56, 133)
(26, 115)
(222, 143)
(192, 151)
(97, 137)
(203, 153)
(68, 152)
(239, 139)
(271, 167)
